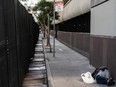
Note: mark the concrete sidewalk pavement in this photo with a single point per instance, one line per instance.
(66, 68)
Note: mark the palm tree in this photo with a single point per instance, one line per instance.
(45, 8)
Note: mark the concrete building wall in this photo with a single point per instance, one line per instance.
(103, 19)
(73, 9)
(100, 44)
(103, 36)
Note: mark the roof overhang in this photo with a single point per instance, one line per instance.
(74, 8)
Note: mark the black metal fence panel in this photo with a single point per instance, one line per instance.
(18, 35)
(9, 17)
(3, 70)
(3, 52)
(25, 26)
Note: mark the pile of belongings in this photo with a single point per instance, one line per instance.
(100, 75)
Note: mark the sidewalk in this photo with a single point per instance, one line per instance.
(65, 69)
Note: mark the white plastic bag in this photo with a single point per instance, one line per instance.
(87, 78)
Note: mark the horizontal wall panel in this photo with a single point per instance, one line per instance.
(111, 56)
(102, 52)
(96, 51)
(77, 41)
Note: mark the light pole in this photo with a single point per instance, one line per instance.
(54, 31)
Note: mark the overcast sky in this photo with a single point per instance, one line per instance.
(33, 2)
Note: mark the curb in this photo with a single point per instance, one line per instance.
(50, 78)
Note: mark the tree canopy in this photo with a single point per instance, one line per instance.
(45, 8)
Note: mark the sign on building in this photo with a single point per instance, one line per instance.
(59, 6)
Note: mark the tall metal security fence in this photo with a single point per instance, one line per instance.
(18, 35)
(77, 41)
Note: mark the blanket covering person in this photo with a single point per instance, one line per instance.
(102, 76)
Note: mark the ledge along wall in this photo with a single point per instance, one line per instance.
(18, 35)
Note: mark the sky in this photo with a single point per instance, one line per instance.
(33, 2)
